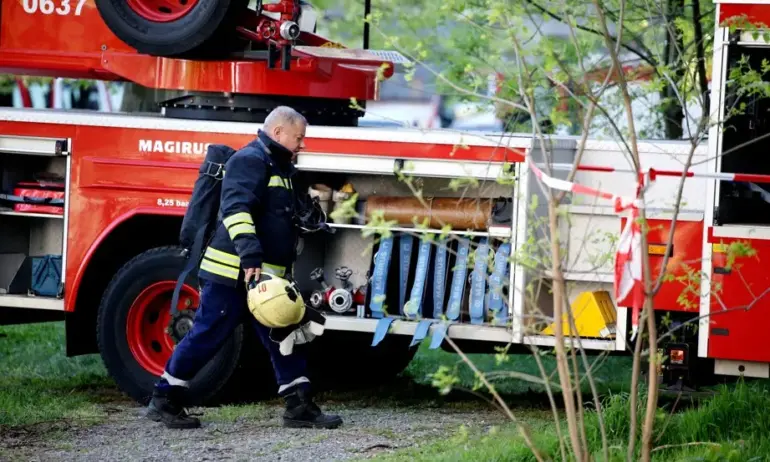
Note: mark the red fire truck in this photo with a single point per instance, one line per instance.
(93, 202)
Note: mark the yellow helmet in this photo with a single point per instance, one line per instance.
(275, 302)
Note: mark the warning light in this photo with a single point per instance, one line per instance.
(676, 356)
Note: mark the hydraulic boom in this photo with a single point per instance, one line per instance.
(240, 62)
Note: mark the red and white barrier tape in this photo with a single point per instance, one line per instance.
(737, 177)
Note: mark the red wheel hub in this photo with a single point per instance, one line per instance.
(161, 10)
(148, 321)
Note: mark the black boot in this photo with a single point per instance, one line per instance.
(302, 412)
(166, 406)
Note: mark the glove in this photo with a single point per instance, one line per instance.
(312, 325)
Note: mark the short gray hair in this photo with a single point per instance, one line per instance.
(282, 115)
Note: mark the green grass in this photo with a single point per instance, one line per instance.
(38, 383)
(732, 426)
(611, 373)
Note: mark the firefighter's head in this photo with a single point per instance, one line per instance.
(287, 128)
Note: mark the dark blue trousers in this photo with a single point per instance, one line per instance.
(221, 309)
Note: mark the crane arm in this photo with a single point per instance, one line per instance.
(165, 44)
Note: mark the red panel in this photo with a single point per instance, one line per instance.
(756, 14)
(734, 331)
(685, 259)
(26, 26)
(188, 147)
(57, 44)
(314, 77)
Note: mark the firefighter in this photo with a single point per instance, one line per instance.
(256, 235)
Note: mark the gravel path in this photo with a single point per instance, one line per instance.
(246, 433)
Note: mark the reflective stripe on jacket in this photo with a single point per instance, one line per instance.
(256, 219)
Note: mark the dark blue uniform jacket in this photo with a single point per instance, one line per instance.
(256, 220)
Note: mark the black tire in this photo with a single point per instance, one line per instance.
(340, 360)
(210, 23)
(155, 265)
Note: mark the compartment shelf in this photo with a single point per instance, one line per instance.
(468, 331)
(28, 301)
(586, 343)
(11, 213)
(487, 333)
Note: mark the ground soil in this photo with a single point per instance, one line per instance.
(241, 433)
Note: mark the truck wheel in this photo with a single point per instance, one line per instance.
(346, 360)
(171, 27)
(132, 324)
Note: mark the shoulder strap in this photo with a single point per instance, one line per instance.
(268, 161)
(193, 257)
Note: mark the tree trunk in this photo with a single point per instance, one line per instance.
(673, 113)
(567, 387)
(699, 49)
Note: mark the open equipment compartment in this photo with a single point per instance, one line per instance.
(349, 248)
(587, 228)
(33, 184)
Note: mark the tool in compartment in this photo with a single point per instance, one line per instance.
(459, 213)
(319, 297)
(339, 197)
(341, 300)
(463, 271)
(343, 273)
(38, 196)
